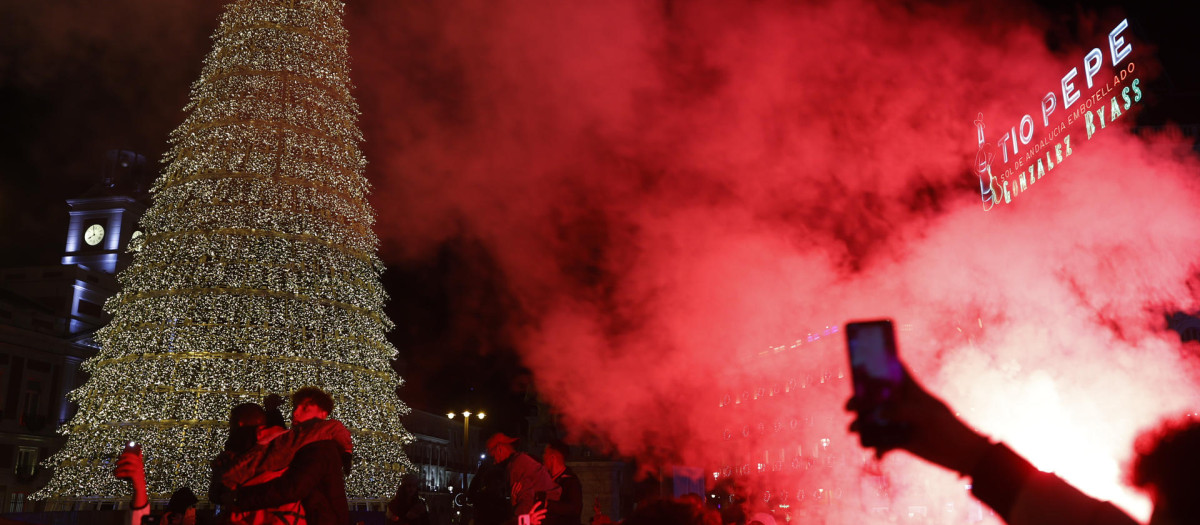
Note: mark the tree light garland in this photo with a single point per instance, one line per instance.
(256, 272)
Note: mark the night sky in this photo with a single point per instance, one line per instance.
(78, 79)
(495, 130)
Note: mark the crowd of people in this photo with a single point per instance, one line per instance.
(514, 488)
(1166, 463)
(270, 474)
(1019, 494)
(266, 473)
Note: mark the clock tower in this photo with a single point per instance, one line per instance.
(104, 219)
(49, 315)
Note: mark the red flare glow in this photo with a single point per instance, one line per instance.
(685, 197)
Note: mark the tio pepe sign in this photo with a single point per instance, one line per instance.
(1015, 162)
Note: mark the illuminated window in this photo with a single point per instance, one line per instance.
(17, 502)
(26, 462)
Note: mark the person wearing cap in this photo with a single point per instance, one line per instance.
(528, 480)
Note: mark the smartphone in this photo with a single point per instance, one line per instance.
(877, 375)
(133, 446)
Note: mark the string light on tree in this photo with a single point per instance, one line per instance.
(256, 272)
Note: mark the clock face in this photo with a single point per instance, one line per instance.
(137, 234)
(93, 234)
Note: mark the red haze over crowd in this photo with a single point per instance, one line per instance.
(676, 192)
(672, 189)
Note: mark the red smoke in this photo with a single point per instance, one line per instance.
(677, 192)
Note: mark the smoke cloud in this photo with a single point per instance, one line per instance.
(678, 204)
(686, 199)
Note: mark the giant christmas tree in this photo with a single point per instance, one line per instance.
(255, 273)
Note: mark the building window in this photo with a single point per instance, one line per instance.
(32, 400)
(89, 308)
(17, 502)
(27, 458)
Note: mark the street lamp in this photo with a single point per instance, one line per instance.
(466, 417)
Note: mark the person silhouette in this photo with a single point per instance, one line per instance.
(1166, 465)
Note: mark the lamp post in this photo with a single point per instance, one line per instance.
(466, 417)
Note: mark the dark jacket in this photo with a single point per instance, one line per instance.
(488, 495)
(569, 508)
(314, 477)
(533, 479)
(408, 509)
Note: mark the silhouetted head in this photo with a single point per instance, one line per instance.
(310, 402)
(1168, 467)
(500, 446)
(181, 509)
(555, 456)
(244, 421)
(247, 415)
(272, 403)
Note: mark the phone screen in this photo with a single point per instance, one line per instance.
(874, 366)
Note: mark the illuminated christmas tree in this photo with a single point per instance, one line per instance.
(255, 270)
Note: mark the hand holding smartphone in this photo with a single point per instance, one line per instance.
(878, 378)
(126, 466)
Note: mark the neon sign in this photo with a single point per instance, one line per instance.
(1018, 163)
